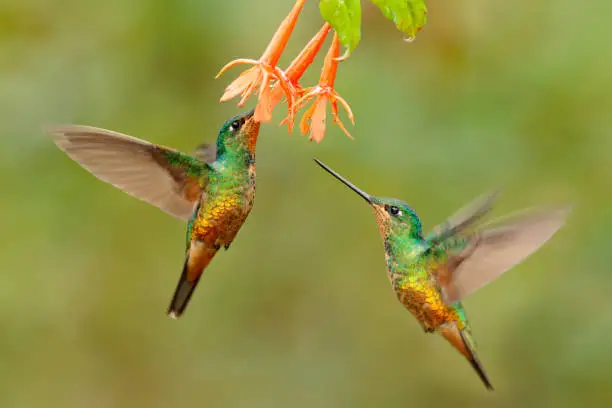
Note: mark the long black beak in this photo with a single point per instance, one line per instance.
(249, 114)
(350, 185)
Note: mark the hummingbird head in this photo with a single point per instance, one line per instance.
(393, 216)
(238, 133)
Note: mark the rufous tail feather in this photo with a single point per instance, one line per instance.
(198, 257)
(459, 340)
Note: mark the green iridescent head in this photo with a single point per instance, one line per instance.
(392, 215)
(238, 133)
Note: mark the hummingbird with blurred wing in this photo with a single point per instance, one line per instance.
(213, 190)
(431, 274)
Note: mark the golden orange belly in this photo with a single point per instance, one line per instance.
(425, 302)
(219, 221)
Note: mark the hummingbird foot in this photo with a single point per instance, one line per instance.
(226, 246)
(264, 71)
(313, 121)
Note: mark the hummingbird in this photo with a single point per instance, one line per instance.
(213, 189)
(431, 274)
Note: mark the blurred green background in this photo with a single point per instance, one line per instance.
(299, 312)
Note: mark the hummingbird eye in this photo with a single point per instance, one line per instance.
(395, 211)
(236, 125)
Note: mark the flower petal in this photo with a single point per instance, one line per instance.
(305, 122)
(298, 66)
(337, 121)
(263, 112)
(242, 84)
(279, 41)
(345, 105)
(330, 64)
(317, 123)
(234, 63)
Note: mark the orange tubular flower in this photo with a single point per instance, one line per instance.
(264, 70)
(295, 71)
(313, 120)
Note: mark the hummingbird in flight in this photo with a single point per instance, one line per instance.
(431, 274)
(213, 189)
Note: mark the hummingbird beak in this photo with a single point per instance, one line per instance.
(350, 185)
(249, 114)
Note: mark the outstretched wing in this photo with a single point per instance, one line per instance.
(464, 217)
(168, 179)
(488, 253)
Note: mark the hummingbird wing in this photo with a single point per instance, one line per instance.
(168, 179)
(465, 217)
(488, 253)
(206, 152)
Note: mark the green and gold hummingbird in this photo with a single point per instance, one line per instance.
(213, 190)
(431, 274)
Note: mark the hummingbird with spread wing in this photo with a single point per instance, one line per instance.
(213, 189)
(431, 274)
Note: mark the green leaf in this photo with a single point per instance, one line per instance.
(345, 18)
(408, 15)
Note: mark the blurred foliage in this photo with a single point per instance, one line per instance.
(299, 313)
(409, 16)
(344, 16)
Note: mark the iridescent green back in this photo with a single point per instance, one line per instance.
(412, 263)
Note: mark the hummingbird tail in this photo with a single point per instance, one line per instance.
(197, 258)
(460, 340)
(181, 297)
